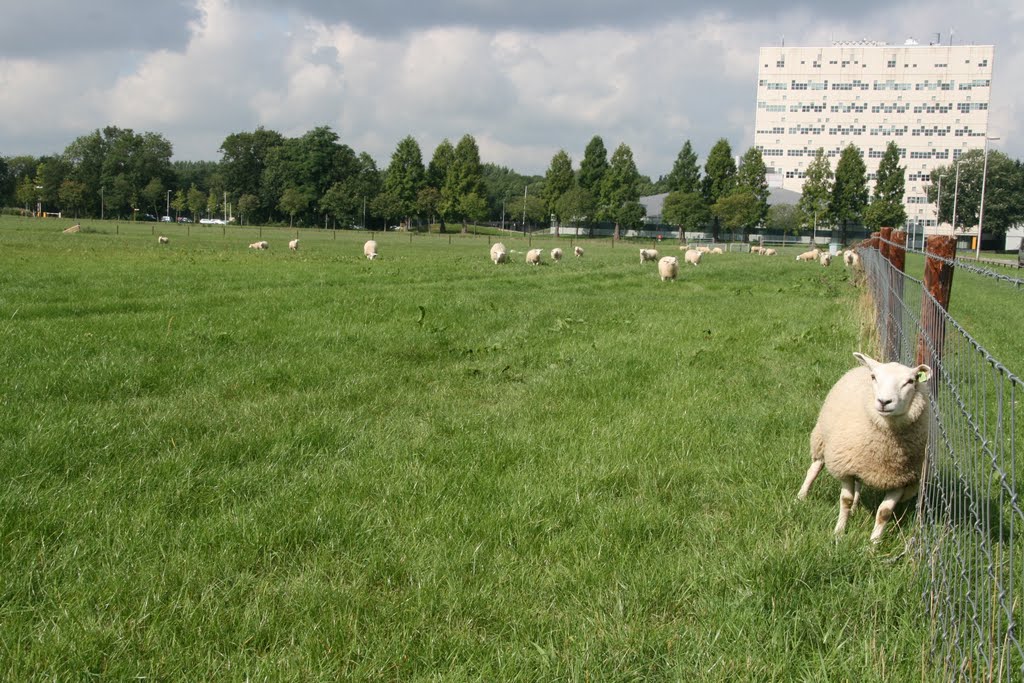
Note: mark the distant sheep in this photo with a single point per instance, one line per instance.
(648, 255)
(872, 429)
(533, 256)
(163, 240)
(294, 244)
(498, 253)
(757, 250)
(668, 268)
(717, 250)
(578, 251)
(825, 260)
(770, 252)
(693, 256)
(811, 255)
(262, 244)
(370, 249)
(704, 250)
(556, 254)
(850, 258)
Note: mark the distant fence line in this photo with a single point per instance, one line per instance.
(970, 518)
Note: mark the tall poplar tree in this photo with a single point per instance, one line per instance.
(817, 190)
(558, 180)
(685, 173)
(620, 189)
(753, 175)
(849, 191)
(437, 174)
(886, 208)
(465, 176)
(404, 177)
(719, 178)
(593, 166)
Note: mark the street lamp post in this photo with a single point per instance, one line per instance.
(956, 191)
(981, 209)
(938, 210)
(167, 211)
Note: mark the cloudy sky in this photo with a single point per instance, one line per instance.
(525, 78)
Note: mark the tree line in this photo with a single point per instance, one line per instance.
(315, 179)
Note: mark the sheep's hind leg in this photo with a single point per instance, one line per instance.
(846, 498)
(812, 473)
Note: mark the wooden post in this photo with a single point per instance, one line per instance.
(873, 240)
(938, 281)
(896, 254)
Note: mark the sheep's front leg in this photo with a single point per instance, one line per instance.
(812, 473)
(885, 510)
(846, 498)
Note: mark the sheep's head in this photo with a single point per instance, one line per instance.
(895, 385)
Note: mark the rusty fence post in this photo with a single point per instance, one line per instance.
(897, 257)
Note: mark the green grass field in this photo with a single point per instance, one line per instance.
(221, 464)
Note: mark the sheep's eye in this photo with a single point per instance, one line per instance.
(872, 377)
(909, 382)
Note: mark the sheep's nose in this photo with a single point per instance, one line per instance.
(884, 402)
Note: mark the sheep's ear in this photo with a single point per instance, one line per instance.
(923, 373)
(866, 361)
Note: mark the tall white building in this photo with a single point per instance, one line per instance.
(931, 100)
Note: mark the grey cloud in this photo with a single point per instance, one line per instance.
(44, 29)
(384, 17)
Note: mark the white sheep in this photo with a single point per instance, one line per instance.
(294, 244)
(693, 256)
(717, 250)
(668, 268)
(648, 255)
(825, 260)
(850, 258)
(872, 429)
(769, 252)
(533, 256)
(370, 249)
(811, 255)
(757, 250)
(704, 250)
(498, 253)
(262, 244)
(556, 254)
(578, 251)
(163, 240)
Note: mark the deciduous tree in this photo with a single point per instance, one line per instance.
(886, 208)
(849, 191)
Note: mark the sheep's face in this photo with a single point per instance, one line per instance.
(895, 385)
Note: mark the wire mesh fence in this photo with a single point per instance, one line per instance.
(969, 511)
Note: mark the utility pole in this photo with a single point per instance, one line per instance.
(524, 208)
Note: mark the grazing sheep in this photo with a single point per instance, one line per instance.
(872, 429)
(811, 255)
(263, 244)
(498, 253)
(370, 249)
(850, 258)
(163, 240)
(648, 255)
(825, 260)
(578, 251)
(294, 244)
(533, 256)
(556, 254)
(770, 252)
(668, 268)
(704, 250)
(693, 256)
(757, 250)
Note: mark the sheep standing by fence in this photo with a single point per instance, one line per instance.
(872, 429)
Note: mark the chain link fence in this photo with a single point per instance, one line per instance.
(970, 518)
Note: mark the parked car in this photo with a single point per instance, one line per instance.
(183, 219)
(165, 219)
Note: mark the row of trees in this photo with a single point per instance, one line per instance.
(315, 179)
